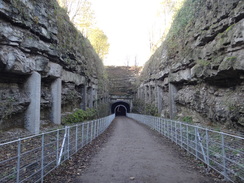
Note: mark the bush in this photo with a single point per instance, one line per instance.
(103, 110)
(151, 110)
(80, 116)
(140, 107)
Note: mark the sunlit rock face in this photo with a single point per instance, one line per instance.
(205, 64)
(35, 37)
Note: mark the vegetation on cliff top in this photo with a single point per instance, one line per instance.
(73, 42)
(182, 20)
(81, 14)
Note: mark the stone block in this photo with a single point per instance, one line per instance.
(55, 70)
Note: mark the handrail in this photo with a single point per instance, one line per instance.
(220, 151)
(30, 159)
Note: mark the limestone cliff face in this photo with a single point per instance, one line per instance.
(199, 72)
(37, 37)
(122, 80)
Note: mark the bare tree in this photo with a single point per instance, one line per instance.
(73, 7)
(165, 16)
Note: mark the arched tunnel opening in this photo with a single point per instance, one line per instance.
(120, 108)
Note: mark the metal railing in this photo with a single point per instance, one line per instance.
(220, 151)
(29, 159)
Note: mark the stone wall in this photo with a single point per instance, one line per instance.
(122, 79)
(200, 72)
(46, 66)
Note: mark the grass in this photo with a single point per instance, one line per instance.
(203, 62)
(232, 59)
(187, 119)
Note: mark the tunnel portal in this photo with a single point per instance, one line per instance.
(120, 108)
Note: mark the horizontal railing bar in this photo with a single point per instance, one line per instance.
(43, 157)
(207, 145)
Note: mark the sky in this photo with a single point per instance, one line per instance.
(127, 25)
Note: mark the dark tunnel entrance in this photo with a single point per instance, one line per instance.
(120, 108)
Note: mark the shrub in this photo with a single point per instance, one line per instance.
(80, 116)
(103, 110)
(140, 107)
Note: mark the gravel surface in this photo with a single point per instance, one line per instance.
(130, 152)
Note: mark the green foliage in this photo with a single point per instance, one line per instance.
(183, 17)
(187, 119)
(229, 28)
(103, 110)
(203, 62)
(181, 26)
(151, 110)
(80, 116)
(72, 42)
(140, 107)
(232, 59)
(99, 42)
(84, 19)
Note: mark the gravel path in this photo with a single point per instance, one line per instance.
(135, 154)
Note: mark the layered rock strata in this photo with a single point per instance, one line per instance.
(46, 66)
(199, 74)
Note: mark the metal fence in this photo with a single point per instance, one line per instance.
(30, 159)
(220, 151)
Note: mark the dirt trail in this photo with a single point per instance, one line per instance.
(134, 154)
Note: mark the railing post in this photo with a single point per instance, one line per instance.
(42, 158)
(181, 138)
(95, 130)
(63, 146)
(176, 136)
(91, 131)
(68, 136)
(18, 161)
(82, 135)
(156, 124)
(100, 126)
(223, 154)
(160, 125)
(167, 128)
(57, 147)
(164, 127)
(196, 145)
(187, 139)
(76, 138)
(87, 132)
(207, 147)
(171, 131)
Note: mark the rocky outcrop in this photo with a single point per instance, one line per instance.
(199, 71)
(122, 79)
(37, 37)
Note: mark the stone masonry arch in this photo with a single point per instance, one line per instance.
(120, 108)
